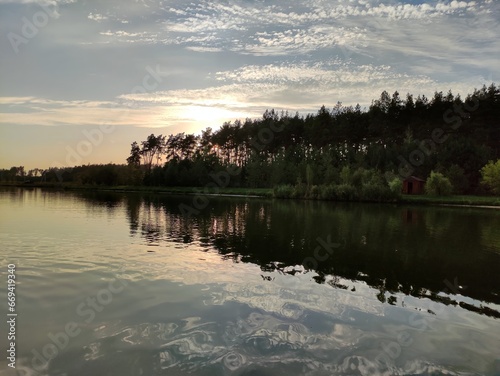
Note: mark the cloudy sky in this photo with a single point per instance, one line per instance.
(138, 67)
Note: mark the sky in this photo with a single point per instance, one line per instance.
(80, 80)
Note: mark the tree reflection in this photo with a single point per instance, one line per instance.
(393, 249)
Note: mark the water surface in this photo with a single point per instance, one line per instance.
(151, 285)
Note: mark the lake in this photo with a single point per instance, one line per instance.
(137, 284)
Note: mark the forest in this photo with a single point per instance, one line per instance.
(343, 152)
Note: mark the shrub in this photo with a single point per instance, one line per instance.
(328, 192)
(313, 192)
(346, 192)
(299, 191)
(438, 185)
(372, 192)
(396, 186)
(491, 176)
(283, 191)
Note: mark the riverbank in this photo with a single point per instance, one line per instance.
(456, 201)
(230, 191)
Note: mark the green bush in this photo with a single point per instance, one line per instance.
(283, 191)
(372, 192)
(299, 191)
(314, 192)
(328, 192)
(346, 192)
(396, 186)
(491, 176)
(438, 185)
(374, 188)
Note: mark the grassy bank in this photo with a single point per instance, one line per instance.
(229, 191)
(459, 200)
(261, 192)
(451, 200)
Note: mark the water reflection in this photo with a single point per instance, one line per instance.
(418, 252)
(225, 292)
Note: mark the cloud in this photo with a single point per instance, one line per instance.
(40, 2)
(183, 112)
(361, 27)
(97, 17)
(205, 49)
(302, 87)
(304, 27)
(15, 100)
(229, 60)
(47, 112)
(242, 57)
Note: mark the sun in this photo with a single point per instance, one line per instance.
(211, 114)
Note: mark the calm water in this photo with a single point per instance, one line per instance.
(129, 284)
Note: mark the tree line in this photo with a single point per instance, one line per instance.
(343, 145)
(341, 149)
